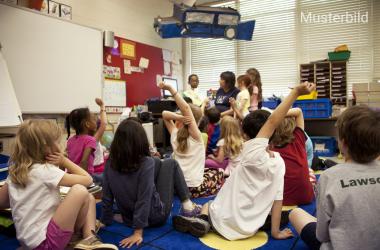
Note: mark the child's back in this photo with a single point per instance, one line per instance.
(352, 207)
(297, 188)
(76, 146)
(257, 181)
(34, 205)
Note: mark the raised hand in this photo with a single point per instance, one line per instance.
(305, 88)
(99, 102)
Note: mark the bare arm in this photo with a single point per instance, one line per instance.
(185, 110)
(238, 112)
(204, 105)
(219, 157)
(75, 175)
(84, 161)
(280, 112)
(275, 221)
(298, 115)
(4, 197)
(227, 112)
(103, 120)
(168, 118)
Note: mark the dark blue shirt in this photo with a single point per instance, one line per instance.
(222, 102)
(135, 196)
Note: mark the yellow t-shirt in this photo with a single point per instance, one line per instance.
(243, 96)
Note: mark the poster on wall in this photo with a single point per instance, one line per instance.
(111, 72)
(66, 12)
(45, 7)
(127, 49)
(54, 8)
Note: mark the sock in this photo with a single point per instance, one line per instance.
(187, 205)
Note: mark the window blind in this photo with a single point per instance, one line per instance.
(285, 38)
(321, 34)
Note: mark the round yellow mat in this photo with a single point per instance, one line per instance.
(218, 242)
(288, 208)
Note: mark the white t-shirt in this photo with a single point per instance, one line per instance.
(99, 154)
(245, 200)
(243, 96)
(233, 161)
(34, 206)
(194, 96)
(192, 162)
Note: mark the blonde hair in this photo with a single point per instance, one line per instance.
(284, 132)
(183, 133)
(230, 131)
(35, 139)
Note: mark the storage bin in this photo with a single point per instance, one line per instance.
(3, 167)
(324, 145)
(320, 108)
(339, 56)
(271, 104)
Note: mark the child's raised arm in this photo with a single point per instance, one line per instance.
(298, 115)
(280, 112)
(103, 119)
(185, 110)
(169, 117)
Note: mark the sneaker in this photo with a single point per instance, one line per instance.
(195, 226)
(191, 213)
(93, 242)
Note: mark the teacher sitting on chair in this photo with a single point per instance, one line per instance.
(192, 93)
(225, 92)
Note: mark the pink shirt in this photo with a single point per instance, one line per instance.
(254, 99)
(76, 146)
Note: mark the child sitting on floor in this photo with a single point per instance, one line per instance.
(41, 219)
(255, 188)
(188, 147)
(143, 187)
(289, 140)
(81, 146)
(99, 154)
(348, 194)
(213, 127)
(230, 144)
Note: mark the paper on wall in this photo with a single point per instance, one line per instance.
(167, 55)
(144, 63)
(176, 57)
(127, 67)
(137, 69)
(167, 70)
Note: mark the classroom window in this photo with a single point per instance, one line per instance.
(283, 39)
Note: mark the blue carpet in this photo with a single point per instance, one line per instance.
(166, 237)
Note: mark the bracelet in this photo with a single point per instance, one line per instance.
(102, 110)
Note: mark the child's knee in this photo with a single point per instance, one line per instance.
(91, 199)
(79, 190)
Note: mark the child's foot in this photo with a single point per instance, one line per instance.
(195, 226)
(191, 213)
(93, 242)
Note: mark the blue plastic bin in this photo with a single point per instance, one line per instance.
(271, 104)
(3, 167)
(324, 145)
(320, 108)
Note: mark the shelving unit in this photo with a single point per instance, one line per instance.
(322, 79)
(339, 83)
(330, 78)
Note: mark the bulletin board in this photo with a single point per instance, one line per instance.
(114, 93)
(124, 64)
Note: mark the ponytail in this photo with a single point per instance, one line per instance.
(67, 125)
(182, 136)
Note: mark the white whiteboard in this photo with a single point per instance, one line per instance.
(114, 93)
(10, 114)
(55, 65)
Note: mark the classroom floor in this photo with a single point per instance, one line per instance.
(166, 237)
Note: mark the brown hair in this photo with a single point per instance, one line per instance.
(246, 80)
(183, 133)
(230, 131)
(284, 132)
(35, 139)
(359, 129)
(256, 81)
